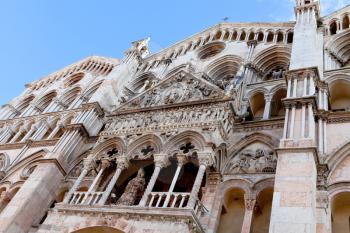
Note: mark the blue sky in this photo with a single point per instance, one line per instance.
(41, 36)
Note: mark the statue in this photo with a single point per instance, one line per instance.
(144, 87)
(277, 74)
(134, 188)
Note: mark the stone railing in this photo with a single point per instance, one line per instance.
(168, 200)
(85, 198)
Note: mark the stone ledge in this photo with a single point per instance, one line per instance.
(135, 212)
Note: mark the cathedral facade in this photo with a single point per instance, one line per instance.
(241, 128)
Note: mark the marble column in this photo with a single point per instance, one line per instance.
(248, 215)
(89, 164)
(161, 161)
(181, 160)
(267, 109)
(204, 160)
(122, 164)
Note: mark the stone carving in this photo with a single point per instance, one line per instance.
(178, 88)
(3, 162)
(134, 188)
(174, 117)
(277, 74)
(260, 161)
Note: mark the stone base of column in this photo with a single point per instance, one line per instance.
(30, 203)
(294, 198)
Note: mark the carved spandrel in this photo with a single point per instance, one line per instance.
(248, 161)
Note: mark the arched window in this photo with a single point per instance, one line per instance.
(226, 36)
(340, 95)
(70, 81)
(280, 37)
(234, 36)
(260, 36)
(270, 37)
(218, 35)
(346, 22)
(243, 36)
(251, 36)
(333, 28)
(277, 108)
(257, 105)
(290, 37)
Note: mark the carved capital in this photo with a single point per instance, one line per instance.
(161, 160)
(181, 159)
(205, 158)
(89, 164)
(105, 163)
(122, 163)
(250, 204)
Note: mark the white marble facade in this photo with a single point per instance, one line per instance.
(241, 128)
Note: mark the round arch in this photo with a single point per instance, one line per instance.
(98, 229)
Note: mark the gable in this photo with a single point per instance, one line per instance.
(180, 88)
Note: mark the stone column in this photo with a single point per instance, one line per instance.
(29, 133)
(161, 161)
(55, 130)
(248, 214)
(122, 164)
(17, 135)
(320, 135)
(181, 160)
(89, 164)
(267, 109)
(292, 122)
(204, 160)
(286, 120)
(105, 164)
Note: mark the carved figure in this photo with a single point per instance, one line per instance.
(134, 188)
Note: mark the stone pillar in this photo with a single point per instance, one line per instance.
(29, 133)
(181, 160)
(17, 135)
(88, 165)
(204, 160)
(303, 118)
(323, 213)
(267, 109)
(292, 122)
(122, 164)
(161, 161)
(59, 126)
(320, 135)
(286, 120)
(248, 214)
(293, 207)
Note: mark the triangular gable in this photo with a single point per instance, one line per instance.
(180, 88)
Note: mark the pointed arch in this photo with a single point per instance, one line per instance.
(111, 143)
(175, 142)
(150, 140)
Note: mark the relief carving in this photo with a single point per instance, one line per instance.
(248, 161)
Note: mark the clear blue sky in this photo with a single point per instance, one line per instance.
(41, 36)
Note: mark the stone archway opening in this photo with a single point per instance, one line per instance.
(262, 212)
(232, 213)
(98, 230)
(341, 213)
